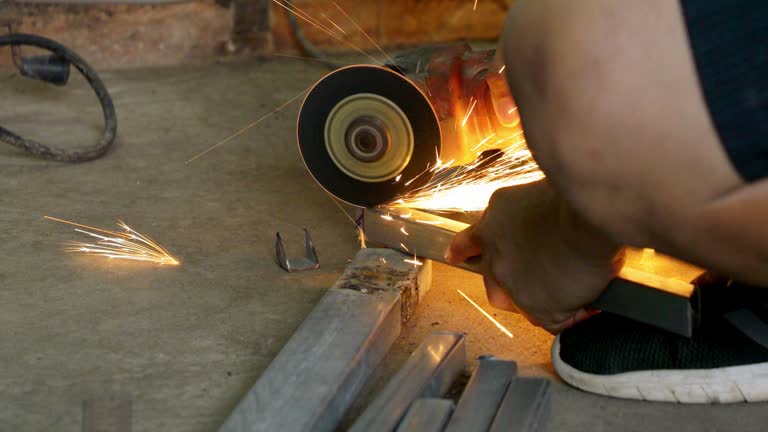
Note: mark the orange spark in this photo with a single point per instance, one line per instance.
(363, 32)
(482, 143)
(414, 261)
(429, 222)
(127, 244)
(402, 230)
(299, 13)
(333, 23)
(469, 187)
(487, 315)
(469, 111)
(241, 131)
(434, 354)
(502, 68)
(296, 11)
(475, 7)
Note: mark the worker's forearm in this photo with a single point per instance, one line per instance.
(734, 236)
(629, 144)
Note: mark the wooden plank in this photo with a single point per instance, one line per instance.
(428, 372)
(648, 293)
(317, 375)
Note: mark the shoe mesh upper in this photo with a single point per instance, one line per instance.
(609, 344)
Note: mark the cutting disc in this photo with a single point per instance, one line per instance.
(367, 135)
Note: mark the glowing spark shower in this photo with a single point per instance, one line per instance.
(469, 187)
(127, 244)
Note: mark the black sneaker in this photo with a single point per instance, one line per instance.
(725, 361)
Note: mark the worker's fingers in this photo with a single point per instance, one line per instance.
(559, 327)
(464, 246)
(498, 296)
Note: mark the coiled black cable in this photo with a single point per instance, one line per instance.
(308, 47)
(110, 117)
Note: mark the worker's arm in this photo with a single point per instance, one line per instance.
(614, 114)
(613, 110)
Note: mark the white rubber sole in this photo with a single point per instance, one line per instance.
(734, 384)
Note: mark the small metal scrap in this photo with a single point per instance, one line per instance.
(307, 262)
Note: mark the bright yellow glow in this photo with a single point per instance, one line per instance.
(469, 187)
(434, 354)
(414, 261)
(126, 245)
(483, 141)
(469, 112)
(487, 315)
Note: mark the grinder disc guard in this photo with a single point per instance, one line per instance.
(364, 132)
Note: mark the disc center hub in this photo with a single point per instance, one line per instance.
(367, 139)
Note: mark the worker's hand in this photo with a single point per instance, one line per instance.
(539, 257)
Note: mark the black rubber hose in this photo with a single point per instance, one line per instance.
(110, 118)
(309, 49)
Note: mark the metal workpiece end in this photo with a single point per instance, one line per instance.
(483, 395)
(427, 415)
(642, 294)
(526, 406)
(428, 372)
(320, 371)
(308, 262)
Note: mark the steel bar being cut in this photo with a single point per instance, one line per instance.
(651, 297)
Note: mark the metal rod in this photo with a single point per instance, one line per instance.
(427, 415)
(428, 372)
(483, 395)
(319, 372)
(644, 296)
(525, 408)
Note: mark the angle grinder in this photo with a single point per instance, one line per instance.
(369, 134)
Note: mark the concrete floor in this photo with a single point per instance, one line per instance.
(186, 343)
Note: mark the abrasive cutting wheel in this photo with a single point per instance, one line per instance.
(367, 134)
